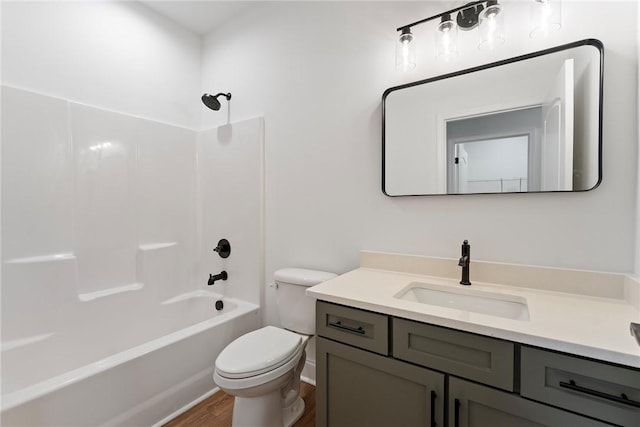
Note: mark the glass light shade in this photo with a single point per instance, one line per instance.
(447, 40)
(405, 52)
(546, 17)
(491, 26)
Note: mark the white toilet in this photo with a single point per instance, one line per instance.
(262, 368)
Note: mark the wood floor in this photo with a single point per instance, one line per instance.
(216, 411)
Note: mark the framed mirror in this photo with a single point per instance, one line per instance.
(532, 123)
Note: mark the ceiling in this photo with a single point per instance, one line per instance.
(201, 17)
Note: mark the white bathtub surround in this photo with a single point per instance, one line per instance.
(231, 204)
(143, 384)
(109, 223)
(579, 312)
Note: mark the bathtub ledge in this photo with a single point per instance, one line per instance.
(156, 246)
(13, 344)
(90, 296)
(42, 258)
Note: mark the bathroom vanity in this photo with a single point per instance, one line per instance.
(386, 358)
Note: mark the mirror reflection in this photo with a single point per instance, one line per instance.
(528, 124)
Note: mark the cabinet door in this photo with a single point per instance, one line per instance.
(358, 388)
(474, 405)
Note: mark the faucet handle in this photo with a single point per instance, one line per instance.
(223, 249)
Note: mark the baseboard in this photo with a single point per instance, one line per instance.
(186, 407)
(309, 372)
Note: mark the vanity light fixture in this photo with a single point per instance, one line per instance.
(488, 15)
(546, 17)
(468, 16)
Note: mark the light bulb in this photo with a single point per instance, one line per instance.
(545, 17)
(405, 51)
(491, 26)
(447, 39)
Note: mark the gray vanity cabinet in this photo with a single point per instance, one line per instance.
(474, 405)
(359, 388)
(357, 384)
(378, 370)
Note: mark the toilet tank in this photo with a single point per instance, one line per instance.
(297, 311)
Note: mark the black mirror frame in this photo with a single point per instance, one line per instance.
(586, 42)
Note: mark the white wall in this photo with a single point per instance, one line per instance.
(119, 56)
(637, 263)
(317, 71)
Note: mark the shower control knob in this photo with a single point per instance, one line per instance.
(223, 249)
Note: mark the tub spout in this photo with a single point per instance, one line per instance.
(215, 277)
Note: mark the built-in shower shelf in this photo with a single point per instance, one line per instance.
(156, 246)
(42, 258)
(90, 296)
(21, 342)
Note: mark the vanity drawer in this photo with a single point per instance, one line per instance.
(585, 386)
(486, 360)
(359, 328)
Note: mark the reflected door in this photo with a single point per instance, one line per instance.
(557, 133)
(462, 169)
(497, 165)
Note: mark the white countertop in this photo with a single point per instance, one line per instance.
(590, 326)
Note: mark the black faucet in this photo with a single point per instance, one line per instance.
(214, 277)
(465, 261)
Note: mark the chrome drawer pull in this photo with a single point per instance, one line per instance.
(571, 385)
(339, 325)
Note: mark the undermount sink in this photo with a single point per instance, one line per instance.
(466, 299)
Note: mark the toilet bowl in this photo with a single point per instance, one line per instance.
(262, 368)
(264, 378)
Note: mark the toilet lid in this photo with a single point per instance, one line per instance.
(257, 352)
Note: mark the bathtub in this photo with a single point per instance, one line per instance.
(137, 373)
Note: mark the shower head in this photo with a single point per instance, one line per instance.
(212, 101)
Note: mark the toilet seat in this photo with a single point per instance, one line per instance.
(258, 352)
